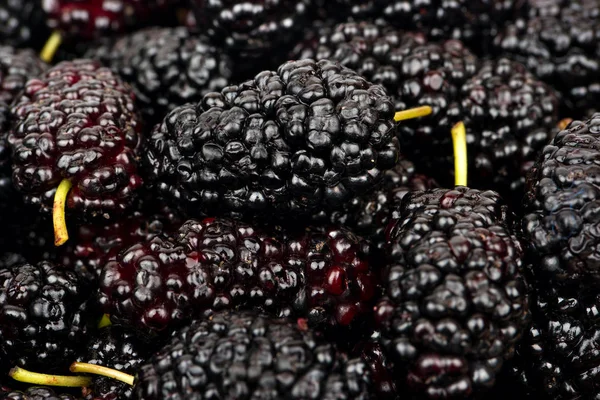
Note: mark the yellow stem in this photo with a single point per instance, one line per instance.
(104, 322)
(563, 123)
(47, 53)
(459, 140)
(58, 212)
(22, 375)
(104, 371)
(413, 113)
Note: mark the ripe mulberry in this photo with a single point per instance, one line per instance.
(287, 142)
(77, 122)
(456, 303)
(166, 67)
(217, 263)
(245, 355)
(415, 73)
(559, 41)
(45, 315)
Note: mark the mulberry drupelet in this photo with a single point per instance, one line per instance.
(285, 143)
(76, 138)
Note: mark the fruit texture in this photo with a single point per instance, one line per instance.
(166, 67)
(456, 303)
(559, 41)
(415, 73)
(245, 355)
(368, 215)
(256, 33)
(16, 67)
(22, 23)
(77, 122)
(119, 349)
(562, 204)
(561, 356)
(95, 243)
(44, 315)
(217, 263)
(476, 23)
(312, 134)
(509, 117)
(89, 19)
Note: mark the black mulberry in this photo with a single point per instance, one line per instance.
(456, 303)
(246, 355)
(287, 142)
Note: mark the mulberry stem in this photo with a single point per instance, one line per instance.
(103, 371)
(104, 322)
(58, 212)
(563, 123)
(47, 53)
(22, 375)
(459, 140)
(413, 113)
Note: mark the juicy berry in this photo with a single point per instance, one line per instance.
(286, 142)
(77, 122)
(218, 263)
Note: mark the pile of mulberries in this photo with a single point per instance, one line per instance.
(299, 199)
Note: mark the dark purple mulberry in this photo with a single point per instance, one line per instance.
(456, 303)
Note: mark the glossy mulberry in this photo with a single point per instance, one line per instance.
(287, 142)
(456, 303)
(77, 122)
(217, 263)
(245, 355)
(166, 67)
(415, 72)
(559, 41)
(44, 315)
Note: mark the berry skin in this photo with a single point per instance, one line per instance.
(17, 66)
(246, 355)
(22, 23)
(91, 19)
(77, 122)
(94, 244)
(35, 393)
(368, 215)
(218, 263)
(509, 117)
(44, 315)
(117, 348)
(256, 33)
(166, 67)
(415, 73)
(559, 41)
(287, 142)
(456, 302)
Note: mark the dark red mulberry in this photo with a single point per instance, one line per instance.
(219, 264)
(77, 122)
